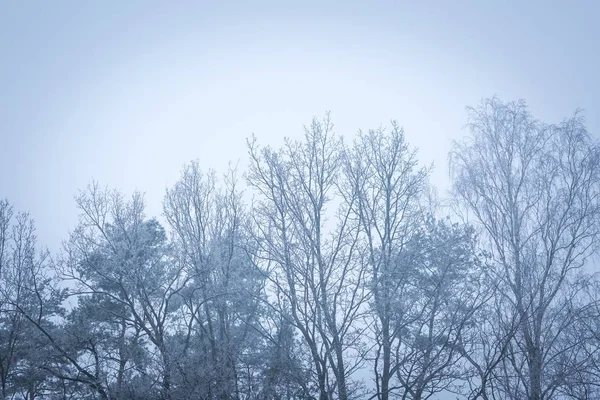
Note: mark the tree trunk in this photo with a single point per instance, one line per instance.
(385, 375)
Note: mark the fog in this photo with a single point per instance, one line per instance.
(212, 183)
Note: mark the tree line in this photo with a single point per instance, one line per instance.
(344, 277)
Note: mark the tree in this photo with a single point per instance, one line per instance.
(27, 300)
(534, 189)
(285, 376)
(386, 189)
(447, 289)
(122, 259)
(307, 249)
(222, 302)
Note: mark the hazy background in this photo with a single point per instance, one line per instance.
(125, 92)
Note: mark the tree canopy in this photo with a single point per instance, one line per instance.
(344, 277)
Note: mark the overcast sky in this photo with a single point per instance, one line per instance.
(126, 92)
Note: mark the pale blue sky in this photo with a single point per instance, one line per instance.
(125, 92)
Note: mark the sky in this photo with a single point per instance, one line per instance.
(125, 93)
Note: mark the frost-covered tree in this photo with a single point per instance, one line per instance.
(219, 341)
(307, 237)
(28, 301)
(386, 189)
(534, 189)
(122, 260)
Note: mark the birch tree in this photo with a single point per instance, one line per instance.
(534, 190)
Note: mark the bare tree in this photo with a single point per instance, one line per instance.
(211, 236)
(27, 300)
(307, 237)
(534, 189)
(388, 187)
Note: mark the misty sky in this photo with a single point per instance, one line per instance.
(126, 92)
